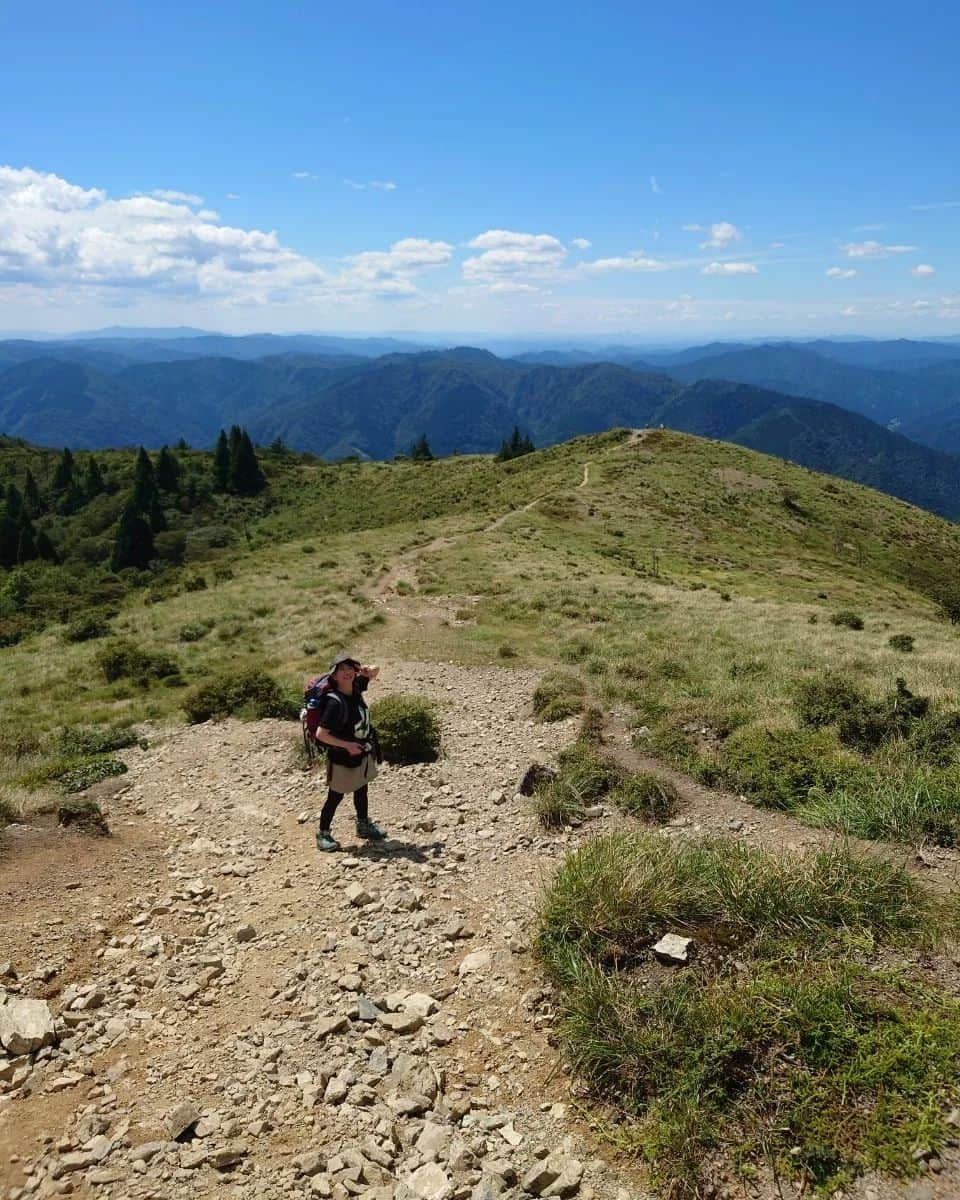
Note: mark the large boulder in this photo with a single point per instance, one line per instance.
(25, 1025)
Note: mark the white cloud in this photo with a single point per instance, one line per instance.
(776, 245)
(508, 287)
(729, 268)
(938, 204)
(55, 235)
(722, 233)
(379, 185)
(923, 271)
(841, 273)
(581, 244)
(507, 253)
(302, 175)
(173, 197)
(633, 262)
(849, 311)
(693, 228)
(390, 270)
(232, 196)
(654, 186)
(872, 249)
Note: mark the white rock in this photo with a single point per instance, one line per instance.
(430, 1182)
(26, 1025)
(478, 961)
(673, 948)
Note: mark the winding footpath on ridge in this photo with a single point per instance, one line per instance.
(242, 1016)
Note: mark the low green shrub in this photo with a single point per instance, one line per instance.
(935, 741)
(195, 583)
(195, 631)
(779, 767)
(79, 741)
(896, 806)
(559, 694)
(872, 724)
(645, 796)
(246, 692)
(846, 619)
(822, 1072)
(123, 659)
(609, 900)
(587, 773)
(85, 774)
(84, 629)
(902, 642)
(825, 698)
(556, 804)
(408, 728)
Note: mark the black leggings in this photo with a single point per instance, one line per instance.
(333, 800)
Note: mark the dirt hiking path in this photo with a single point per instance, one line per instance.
(366, 1023)
(241, 1016)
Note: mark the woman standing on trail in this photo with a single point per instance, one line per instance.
(344, 728)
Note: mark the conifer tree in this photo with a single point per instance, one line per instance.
(46, 549)
(27, 542)
(32, 500)
(234, 438)
(167, 471)
(420, 450)
(158, 522)
(221, 464)
(246, 478)
(9, 538)
(14, 502)
(133, 545)
(93, 481)
(182, 445)
(63, 475)
(144, 482)
(72, 499)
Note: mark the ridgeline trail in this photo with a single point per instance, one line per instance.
(243, 1016)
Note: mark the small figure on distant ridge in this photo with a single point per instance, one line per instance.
(338, 715)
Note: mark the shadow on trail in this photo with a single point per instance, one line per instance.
(395, 849)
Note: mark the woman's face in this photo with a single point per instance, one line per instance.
(344, 675)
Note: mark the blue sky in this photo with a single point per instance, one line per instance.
(608, 170)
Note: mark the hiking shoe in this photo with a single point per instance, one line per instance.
(370, 831)
(326, 840)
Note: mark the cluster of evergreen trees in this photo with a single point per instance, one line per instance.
(235, 465)
(69, 490)
(514, 446)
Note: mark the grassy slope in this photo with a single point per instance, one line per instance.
(682, 576)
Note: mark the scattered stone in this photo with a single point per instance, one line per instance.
(244, 933)
(181, 1121)
(673, 948)
(474, 963)
(430, 1182)
(26, 1025)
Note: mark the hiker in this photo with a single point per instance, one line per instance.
(343, 726)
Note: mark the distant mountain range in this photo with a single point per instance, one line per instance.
(839, 407)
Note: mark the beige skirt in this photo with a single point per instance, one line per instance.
(351, 779)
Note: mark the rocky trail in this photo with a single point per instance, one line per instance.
(237, 1014)
(204, 1005)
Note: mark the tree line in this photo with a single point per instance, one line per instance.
(27, 507)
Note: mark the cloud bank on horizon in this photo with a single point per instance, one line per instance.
(70, 254)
